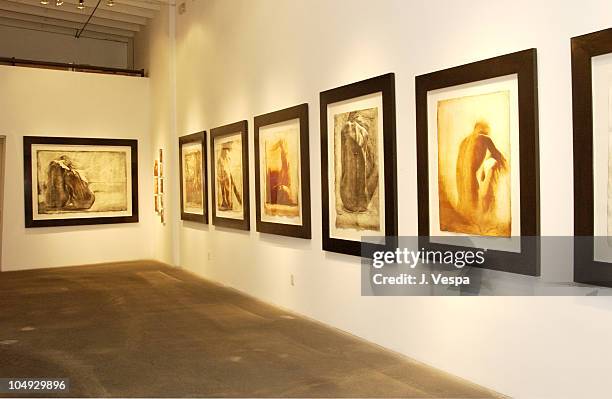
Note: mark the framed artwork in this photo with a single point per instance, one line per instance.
(592, 119)
(230, 175)
(158, 186)
(193, 177)
(80, 181)
(358, 171)
(477, 158)
(282, 172)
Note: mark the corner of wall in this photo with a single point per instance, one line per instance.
(154, 51)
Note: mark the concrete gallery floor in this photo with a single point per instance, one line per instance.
(146, 329)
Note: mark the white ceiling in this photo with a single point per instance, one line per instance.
(122, 20)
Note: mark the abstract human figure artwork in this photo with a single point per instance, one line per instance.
(281, 188)
(479, 165)
(357, 170)
(66, 188)
(474, 166)
(277, 173)
(228, 172)
(193, 194)
(81, 181)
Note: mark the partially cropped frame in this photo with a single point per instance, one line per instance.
(592, 118)
(229, 168)
(193, 178)
(358, 166)
(282, 172)
(477, 160)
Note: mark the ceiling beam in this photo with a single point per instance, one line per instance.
(70, 6)
(57, 13)
(73, 26)
(148, 4)
(41, 26)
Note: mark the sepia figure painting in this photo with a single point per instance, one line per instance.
(81, 181)
(281, 173)
(193, 187)
(474, 164)
(356, 170)
(228, 176)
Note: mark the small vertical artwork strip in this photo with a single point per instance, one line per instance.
(158, 186)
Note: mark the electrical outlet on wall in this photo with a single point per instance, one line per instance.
(209, 256)
(292, 280)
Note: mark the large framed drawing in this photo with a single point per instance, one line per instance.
(193, 177)
(282, 172)
(592, 118)
(477, 157)
(80, 181)
(358, 172)
(230, 175)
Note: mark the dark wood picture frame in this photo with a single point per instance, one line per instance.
(242, 128)
(384, 84)
(199, 138)
(524, 65)
(28, 141)
(299, 112)
(586, 269)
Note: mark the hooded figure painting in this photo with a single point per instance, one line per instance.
(359, 168)
(477, 160)
(357, 174)
(474, 164)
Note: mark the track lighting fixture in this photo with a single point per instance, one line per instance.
(59, 2)
(110, 3)
(81, 4)
(44, 2)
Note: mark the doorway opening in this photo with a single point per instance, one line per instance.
(2, 167)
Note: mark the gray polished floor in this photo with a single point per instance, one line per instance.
(145, 329)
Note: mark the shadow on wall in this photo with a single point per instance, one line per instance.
(195, 225)
(287, 242)
(73, 229)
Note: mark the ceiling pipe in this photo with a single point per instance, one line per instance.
(80, 32)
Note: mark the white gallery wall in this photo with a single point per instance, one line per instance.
(31, 44)
(154, 52)
(38, 102)
(239, 58)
